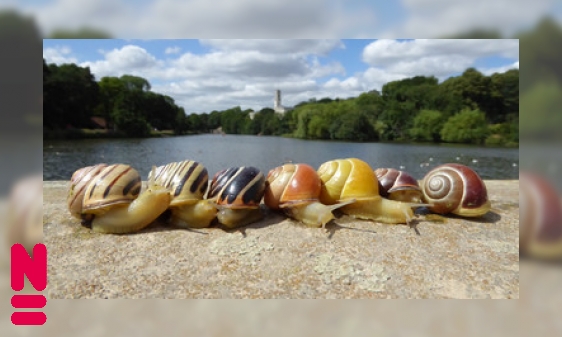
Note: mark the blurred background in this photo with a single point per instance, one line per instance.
(538, 25)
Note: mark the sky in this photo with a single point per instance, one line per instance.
(207, 75)
(287, 18)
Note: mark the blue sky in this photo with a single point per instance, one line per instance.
(207, 75)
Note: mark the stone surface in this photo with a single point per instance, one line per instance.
(280, 258)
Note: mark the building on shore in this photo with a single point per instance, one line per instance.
(277, 106)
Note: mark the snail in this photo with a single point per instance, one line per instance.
(352, 178)
(398, 185)
(455, 189)
(108, 198)
(188, 182)
(237, 192)
(295, 189)
(540, 225)
(24, 218)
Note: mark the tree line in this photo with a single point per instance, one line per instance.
(470, 108)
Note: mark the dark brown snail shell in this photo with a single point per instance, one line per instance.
(398, 185)
(238, 191)
(455, 189)
(540, 225)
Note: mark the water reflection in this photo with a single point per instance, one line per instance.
(216, 152)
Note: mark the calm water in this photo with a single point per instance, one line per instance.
(216, 152)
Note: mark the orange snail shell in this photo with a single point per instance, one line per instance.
(292, 184)
(540, 225)
(296, 188)
(398, 185)
(456, 189)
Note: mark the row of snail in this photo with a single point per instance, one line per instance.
(111, 199)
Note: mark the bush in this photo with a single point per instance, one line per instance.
(468, 126)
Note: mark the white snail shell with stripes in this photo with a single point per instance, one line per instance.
(188, 182)
(455, 189)
(108, 198)
(238, 192)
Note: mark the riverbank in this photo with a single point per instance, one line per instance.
(97, 134)
(279, 258)
(69, 134)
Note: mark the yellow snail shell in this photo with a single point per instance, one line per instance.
(456, 189)
(112, 201)
(237, 192)
(398, 185)
(540, 225)
(352, 178)
(295, 189)
(188, 182)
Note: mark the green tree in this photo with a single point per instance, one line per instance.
(468, 126)
(427, 126)
(71, 94)
(353, 126)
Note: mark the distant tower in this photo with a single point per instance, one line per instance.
(277, 107)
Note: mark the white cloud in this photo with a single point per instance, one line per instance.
(172, 50)
(129, 59)
(58, 55)
(439, 18)
(293, 46)
(437, 58)
(490, 71)
(247, 73)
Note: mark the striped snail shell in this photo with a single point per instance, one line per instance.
(79, 181)
(238, 191)
(111, 199)
(295, 189)
(398, 185)
(352, 178)
(24, 218)
(455, 189)
(188, 182)
(540, 225)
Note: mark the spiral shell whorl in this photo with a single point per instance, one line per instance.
(457, 189)
(78, 183)
(349, 178)
(115, 184)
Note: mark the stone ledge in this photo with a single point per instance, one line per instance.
(279, 258)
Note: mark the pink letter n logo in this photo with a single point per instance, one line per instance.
(36, 271)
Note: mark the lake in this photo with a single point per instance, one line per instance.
(217, 152)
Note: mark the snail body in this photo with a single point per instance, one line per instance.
(398, 185)
(108, 198)
(540, 225)
(295, 189)
(352, 178)
(188, 182)
(237, 192)
(455, 189)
